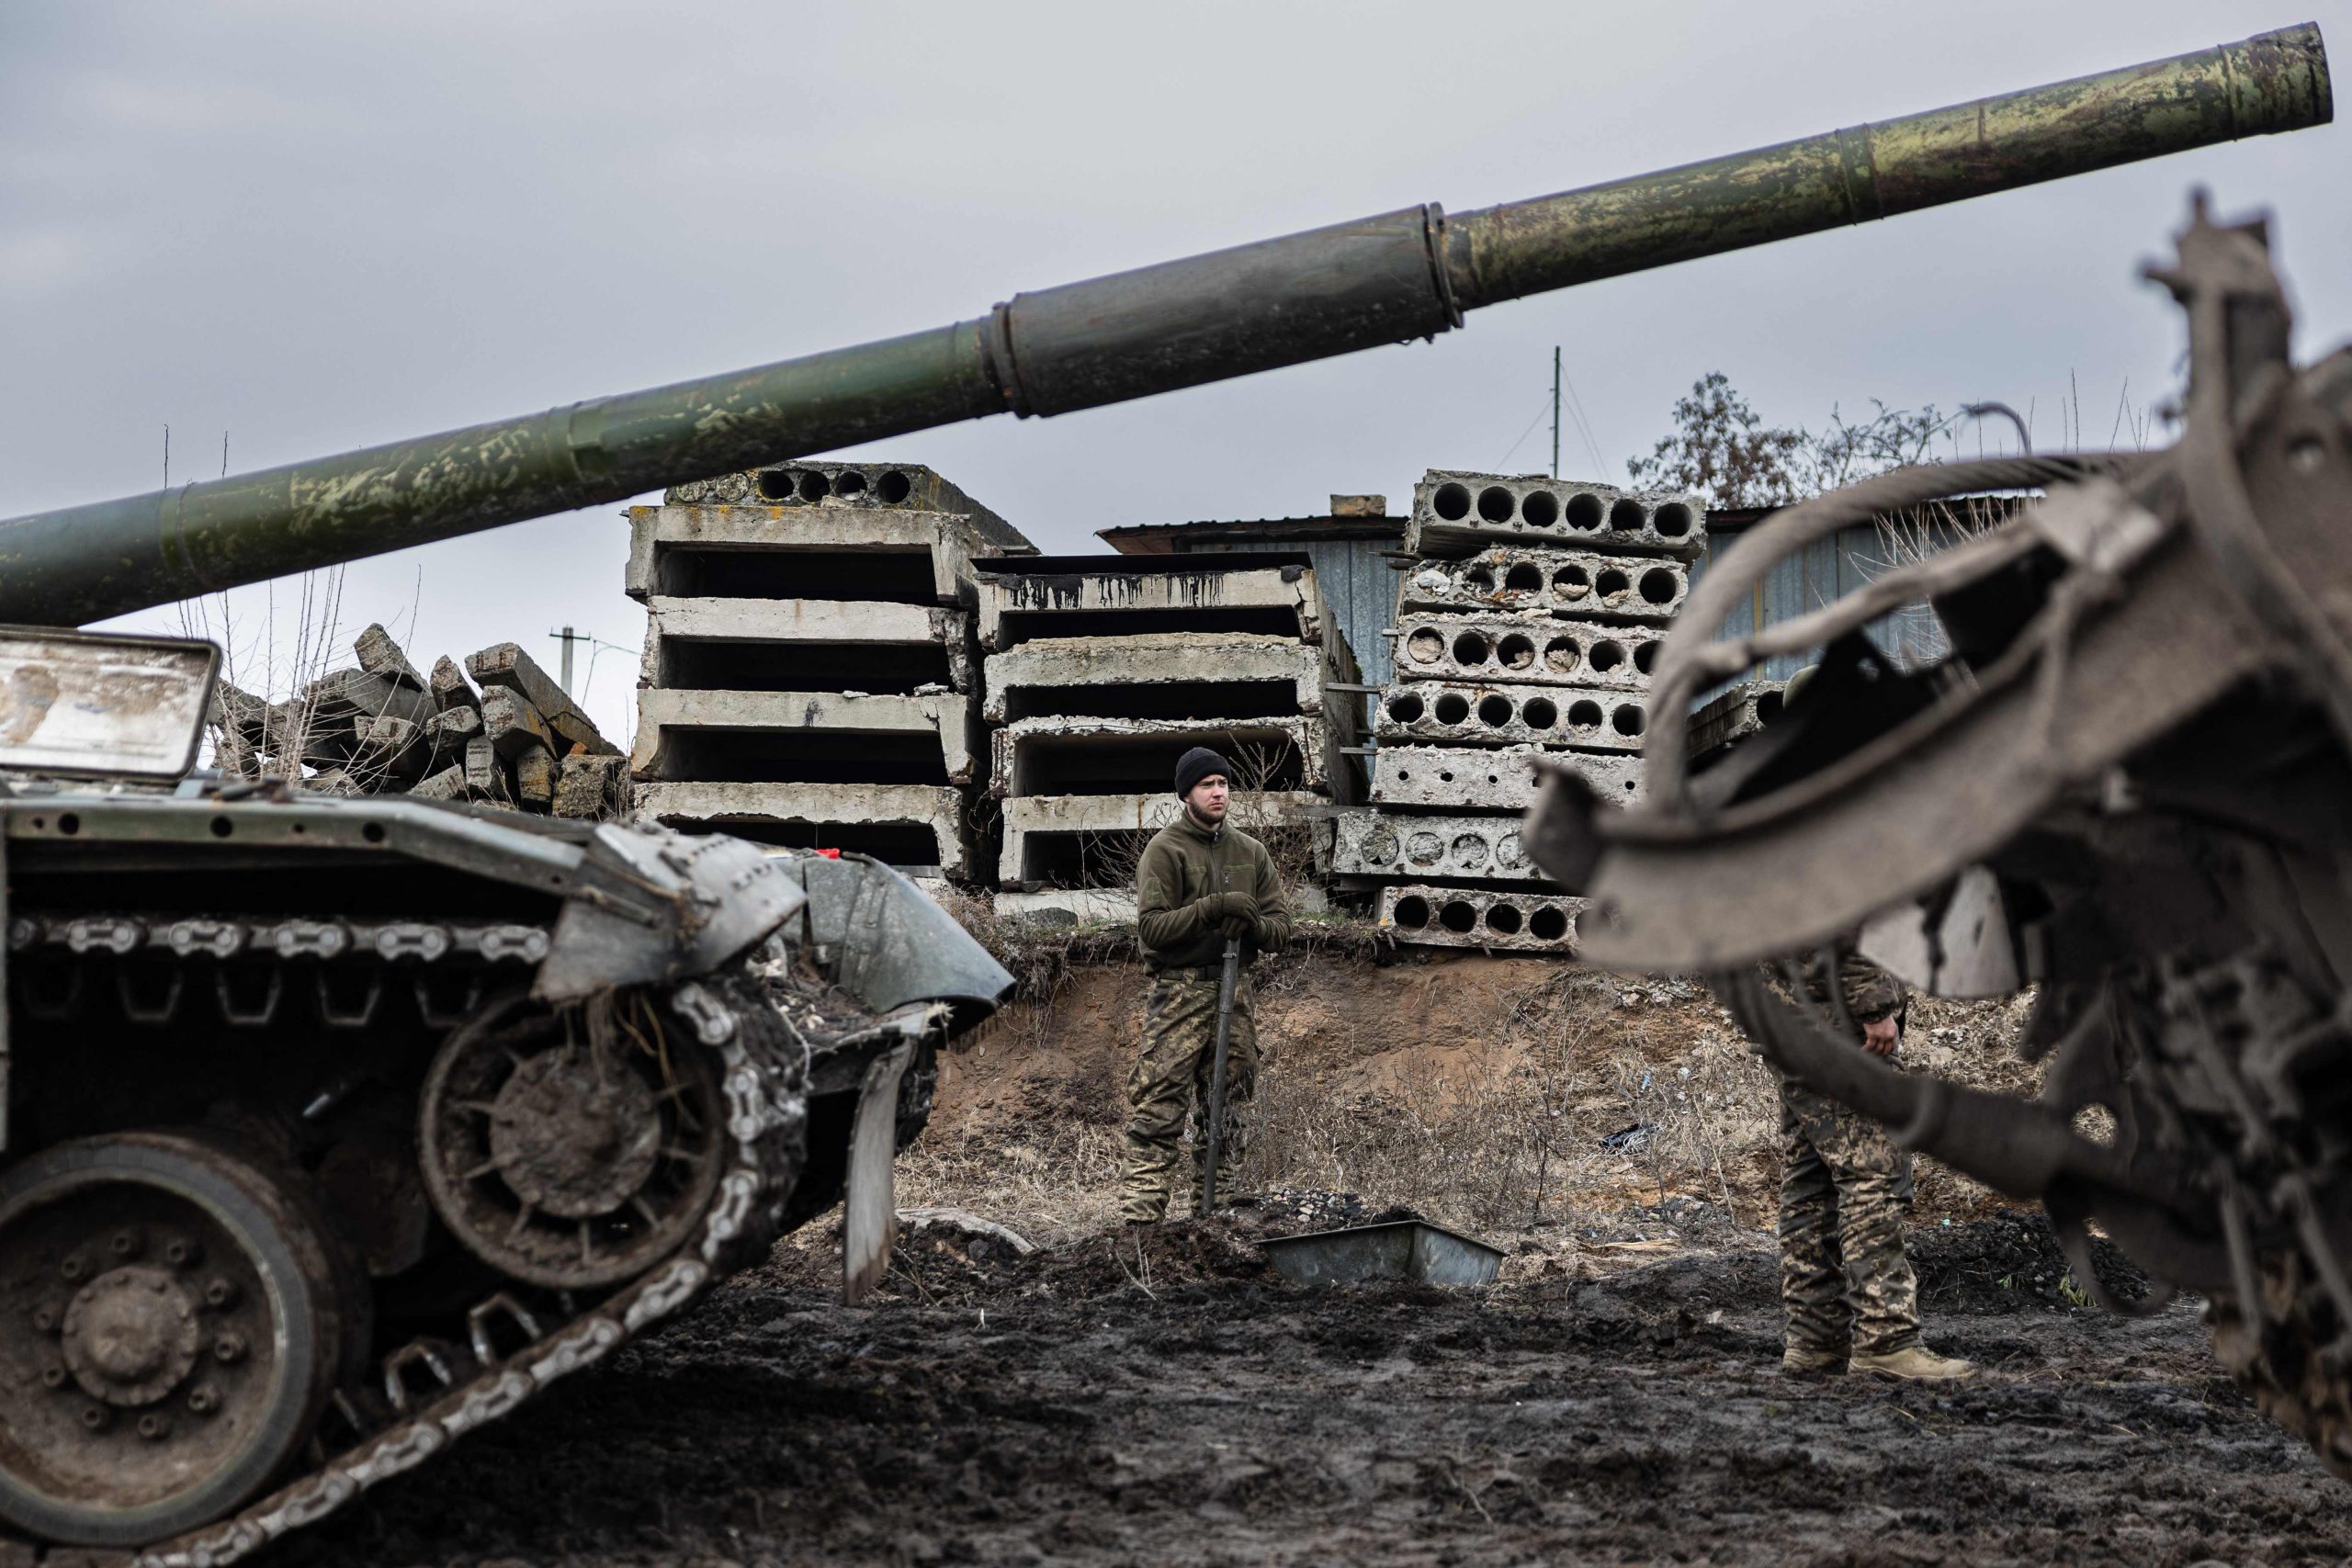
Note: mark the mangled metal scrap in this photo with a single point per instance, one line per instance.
(2130, 784)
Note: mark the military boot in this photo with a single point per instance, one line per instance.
(1812, 1361)
(1915, 1362)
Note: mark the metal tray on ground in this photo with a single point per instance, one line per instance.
(1399, 1249)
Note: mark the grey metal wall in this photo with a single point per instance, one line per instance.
(1357, 585)
(1827, 569)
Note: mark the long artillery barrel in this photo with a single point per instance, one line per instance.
(1327, 291)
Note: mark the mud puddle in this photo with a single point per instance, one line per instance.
(1169, 1402)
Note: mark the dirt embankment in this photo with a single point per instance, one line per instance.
(1489, 1092)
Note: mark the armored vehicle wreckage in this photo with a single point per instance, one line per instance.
(2129, 783)
(335, 1129)
(338, 1127)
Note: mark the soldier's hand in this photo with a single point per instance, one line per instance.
(1881, 1037)
(1237, 926)
(1229, 906)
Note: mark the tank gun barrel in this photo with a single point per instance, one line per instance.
(1327, 291)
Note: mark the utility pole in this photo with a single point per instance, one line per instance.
(568, 635)
(1555, 410)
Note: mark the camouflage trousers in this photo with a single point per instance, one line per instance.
(1845, 1190)
(1170, 1083)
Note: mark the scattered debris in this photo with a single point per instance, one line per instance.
(382, 728)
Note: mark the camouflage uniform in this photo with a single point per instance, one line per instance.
(1171, 1076)
(1182, 875)
(1845, 1190)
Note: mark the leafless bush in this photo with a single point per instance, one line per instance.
(1111, 859)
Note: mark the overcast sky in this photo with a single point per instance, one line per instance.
(318, 227)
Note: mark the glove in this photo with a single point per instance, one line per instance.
(1237, 927)
(1232, 906)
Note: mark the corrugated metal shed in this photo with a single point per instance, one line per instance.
(1350, 555)
(1353, 557)
(1829, 568)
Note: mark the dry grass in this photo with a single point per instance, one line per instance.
(1581, 1097)
(1618, 1094)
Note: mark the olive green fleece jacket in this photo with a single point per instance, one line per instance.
(1185, 867)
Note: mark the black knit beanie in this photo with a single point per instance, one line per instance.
(1197, 764)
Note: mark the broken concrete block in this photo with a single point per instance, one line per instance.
(449, 783)
(450, 687)
(1525, 649)
(1500, 779)
(535, 778)
(455, 724)
(1383, 844)
(1461, 713)
(1560, 582)
(506, 664)
(360, 694)
(486, 774)
(240, 712)
(393, 749)
(1461, 513)
(380, 655)
(1481, 918)
(591, 788)
(235, 756)
(513, 725)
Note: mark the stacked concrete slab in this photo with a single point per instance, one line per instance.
(1529, 620)
(1100, 671)
(811, 676)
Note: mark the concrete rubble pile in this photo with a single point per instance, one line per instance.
(499, 731)
(1102, 670)
(810, 676)
(1529, 619)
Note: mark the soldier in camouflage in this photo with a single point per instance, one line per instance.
(1852, 1298)
(1200, 881)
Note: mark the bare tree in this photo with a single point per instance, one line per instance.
(1723, 450)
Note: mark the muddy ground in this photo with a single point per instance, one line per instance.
(1169, 1402)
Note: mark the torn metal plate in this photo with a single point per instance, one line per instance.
(1968, 953)
(1400, 1250)
(79, 705)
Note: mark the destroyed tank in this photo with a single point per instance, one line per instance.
(2128, 783)
(337, 1128)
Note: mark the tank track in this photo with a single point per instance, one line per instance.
(514, 1352)
(2286, 1360)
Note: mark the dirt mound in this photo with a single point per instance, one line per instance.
(1154, 1259)
(2009, 1263)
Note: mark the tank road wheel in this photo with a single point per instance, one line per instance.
(169, 1332)
(566, 1155)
